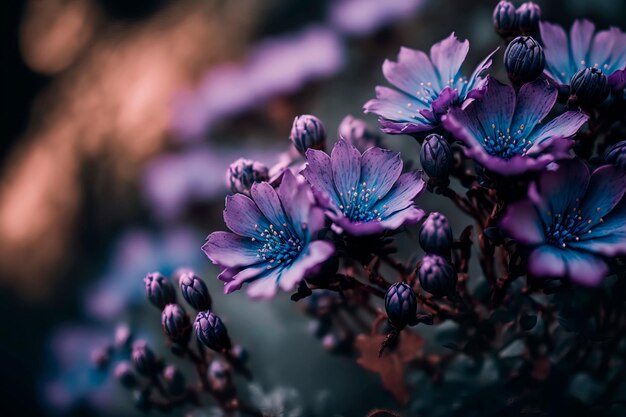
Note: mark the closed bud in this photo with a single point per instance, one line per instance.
(159, 290)
(436, 156)
(220, 376)
(243, 173)
(524, 59)
(505, 19)
(195, 291)
(144, 359)
(100, 357)
(122, 337)
(211, 331)
(589, 86)
(307, 132)
(239, 353)
(437, 276)
(616, 155)
(358, 133)
(528, 16)
(174, 380)
(400, 305)
(176, 324)
(123, 372)
(435, 235)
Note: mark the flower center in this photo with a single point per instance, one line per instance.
(504, 145)
(280, 247)
(568, 227)
(358, 204)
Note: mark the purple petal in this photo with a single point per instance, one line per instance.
(447, 57)
(522, 223)
(606, 189)
(268, 202)
(242, 215)
(580, 41)
(617, 80)
(603, 44)
(380, 169)
(411, 72)
(566, 125)
(534, 102)
(556, 51)
(547, 261)
(230, 250)
(318, 172)
(495, 110)
(446, 99)
(584, 268)
(405, 190)
(608, 237)
(296, 199)
(233, 283)
(404, 217)
(265, 287)
(396, 106)
(314, 254)
(345, 160)
(559, 191)
(475, 81)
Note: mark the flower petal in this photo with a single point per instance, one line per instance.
(584, 268)
(346, 164)
(267, 200)
(314, 254)
(447, 57)
(606, 189)
(559, 191)
(408, 186)
(581, 34)
(522, 223)
(265, 287)
(241, 215)
(380, 169)
(475, 80)
(566, 125)
(296, 199)
(412, 71)
(547, 261)
(495, 109)
(556, 51)
(534, 102)
(318, 172)
(231, 250)
(234, 282)
(396, 106)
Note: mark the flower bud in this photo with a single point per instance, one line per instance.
(243, 173)
(308, 132)
(437, 276)
(100, 357)
(504, 19)
(400, 304)
(358, 133)
(144, 359)
(435, 235)
(174, 380)
(194, 291)
(122, 337)
(123, 372)
(159, 290)
(176, 324)
(220, 377)
(239, 353)
(524, 59)
(211, 331)
(436, 156)
(589, 86)
(616, 155)
(528, 16)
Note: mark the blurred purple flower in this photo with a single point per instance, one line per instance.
(429, 86)
(136, 252)
(605, 50)
(71, 377)
(361, 17)
(171, 182)
(501, 130)
(364, 193)
(276, 66)
(572, 220)
(274, 241)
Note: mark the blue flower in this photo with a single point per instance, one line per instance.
(364, 193)
(274, 241)
(501, 130)
(573, 221)
(605, 50)
(428, 87)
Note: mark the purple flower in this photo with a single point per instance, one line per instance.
(274, 240)
(364, 193)
(502, 133)
(605, 50)
(360, 17)
(428, 87)
(572, 220)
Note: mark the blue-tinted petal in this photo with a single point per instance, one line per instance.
(606, 189)
(396, 106)
(267, 200)
(556, 51)
(566, 125)
(561, 190)
(296, 199)
(230, 250)
(346, 164)
(581, 34)
(265, 287)
(402, 194)
(380, 168)
(411, 73)
(318, 172)
(243, 217)
(547, 261)
(312, 255)
(474, 81)
(584, 268)
(447, 57)
(601, 49)
(495, 109)
(534, 102)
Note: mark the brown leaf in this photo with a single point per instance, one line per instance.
(390, 367)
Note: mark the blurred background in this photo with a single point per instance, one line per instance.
(119, 121)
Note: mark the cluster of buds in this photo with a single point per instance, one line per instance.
(158, 385)
(436, 275)
(509, 22)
